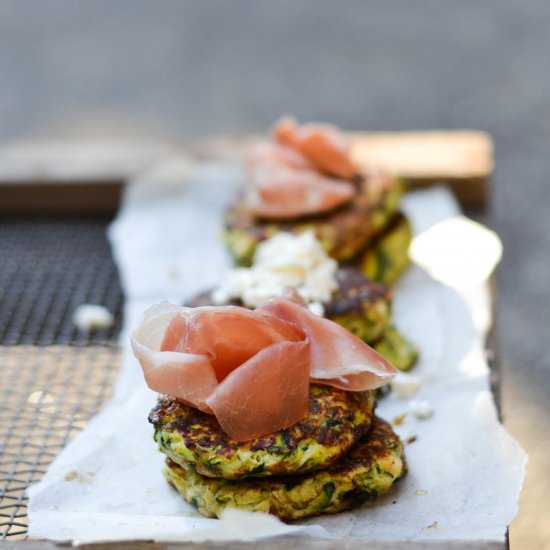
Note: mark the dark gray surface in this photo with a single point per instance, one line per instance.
(175, 69)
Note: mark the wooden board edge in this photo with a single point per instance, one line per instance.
(59, 179)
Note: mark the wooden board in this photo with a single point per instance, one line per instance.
(462, 159)
(281, 543)
(88, 178)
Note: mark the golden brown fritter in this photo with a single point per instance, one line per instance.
(336, 420)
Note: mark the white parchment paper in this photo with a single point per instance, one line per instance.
(465, 470)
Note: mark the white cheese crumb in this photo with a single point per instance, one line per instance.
(317, 308)
(285, 260)
(90, 317)
(405, 385)
(421, 408)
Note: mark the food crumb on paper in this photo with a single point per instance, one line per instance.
(398, 420)
(405, 385)
(73, 475)
(91, 317)
(173, 273)
(421, 408)
(432, 525)
(411, 439)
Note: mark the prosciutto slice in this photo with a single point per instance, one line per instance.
(323, 145)
(278, 191)
(251, 369)
(338, 357)
(270, 153)
(305, 170)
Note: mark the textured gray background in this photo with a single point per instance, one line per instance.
(184, 69)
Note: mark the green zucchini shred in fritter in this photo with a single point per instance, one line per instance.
(387, 258)
(399, 351)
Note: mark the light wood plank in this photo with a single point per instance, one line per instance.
(461, 159)
(87, 178)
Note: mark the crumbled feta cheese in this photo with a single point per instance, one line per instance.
(421, 408)
(284, 260)
(90, 317)
(317, 308)
(405, 385)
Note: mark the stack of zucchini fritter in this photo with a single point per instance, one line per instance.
(338, 457)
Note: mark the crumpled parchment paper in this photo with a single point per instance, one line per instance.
(465, 470)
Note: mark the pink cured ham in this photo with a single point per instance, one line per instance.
(338, 357)
(228, 336)
(251, 369)
(268, 393)
(323, 145)
(304, 172)
(270, 153)
(283, 192)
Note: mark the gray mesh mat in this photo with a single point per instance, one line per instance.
(48, 268)
(52, 376)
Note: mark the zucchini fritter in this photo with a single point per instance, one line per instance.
(365, 473)
(336, 420)
(359, 305)
(387, 257)
(399, 351)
